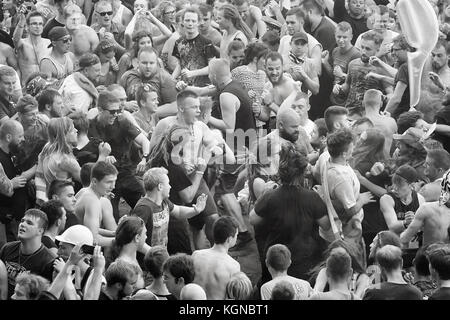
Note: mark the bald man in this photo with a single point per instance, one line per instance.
(192, 291)
(372, 103)
(12, 191)
(235, 120)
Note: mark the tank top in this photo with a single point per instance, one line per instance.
(62, 70)
(244, 116)
(401, 208)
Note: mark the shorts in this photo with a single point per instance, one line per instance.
(227, 179)
(199, 220)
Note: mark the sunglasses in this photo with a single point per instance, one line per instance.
(66, 40)
(170, 12)
(104, 13)
(114, 112)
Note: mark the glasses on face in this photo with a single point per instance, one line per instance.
(104, 13)
(169, 12)
(36, 24)
(114, 112)
(66, 40)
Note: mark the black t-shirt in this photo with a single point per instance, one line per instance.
(195, 54)
(289, 217)
(40, 263)
(392, 291)
(402, 76)
(71, 220)
(89, 153)
(443, 117)
(104, 297)
(48, 242)
(49, 26)
(441, 294)
(120, 136)
(6, 108)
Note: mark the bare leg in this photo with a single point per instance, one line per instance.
(233, 208)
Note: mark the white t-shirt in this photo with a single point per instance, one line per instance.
(74, 96)
(302, 288)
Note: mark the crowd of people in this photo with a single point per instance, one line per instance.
(145, 144)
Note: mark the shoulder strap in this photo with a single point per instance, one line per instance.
(332, 215)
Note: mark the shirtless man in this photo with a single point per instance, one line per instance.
(432, 217)
(84, 38)
(32, 49)
(387, 125)
(214, 267)
(7, 56)
(88, 208)
(280, 85)
(252, 16)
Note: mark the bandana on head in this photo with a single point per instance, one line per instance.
(445, 189)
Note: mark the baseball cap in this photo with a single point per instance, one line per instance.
(408, 173)
(57, 33)
(300, 36)
(412, 137)
(87, 60)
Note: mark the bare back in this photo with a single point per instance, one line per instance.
(436, 220)
(387, 126)
(213, 270)
(85, 198)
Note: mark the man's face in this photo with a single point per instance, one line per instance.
(356, 7)
(93, 72)
(148, 64)
(7, 85)
(73, 21)
(106, 185)
(151, 102)
(36, 25)
(244, 10)
(28, 119)
(294, 24)
(299, 47)
(274, 70)
(140, 4)
(165, 186)
(64, 250)
(341, 121)
(205, 22)
(169, 15)
(16, 138)
(171, 283)
(381, 22)
(7, 4)
(63, 45)
(439, 58)
(343, 38)
(110, 114)
(105, 13)
(129, 287)
(190, 22)
(368, 49)
(290, 129)
(236, 58)
(400, 187)
(301, 107)
(399, 55)
(191, 109)
(67, 198)
(56, 107)
(29, 228)
(431, 171)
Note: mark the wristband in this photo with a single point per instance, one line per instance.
(199, 172)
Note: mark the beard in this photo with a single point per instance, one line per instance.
(16, 149)
(365, 59)
(286, 136)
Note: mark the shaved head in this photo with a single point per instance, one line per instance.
(219, 70)
(372, 99)
(10, 126)
(192, 291)
(287, 115)
(288, 124)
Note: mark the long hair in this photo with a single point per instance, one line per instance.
(57, 131)
(369, 148)
(126, 231)
(137, 36)
(349, 246)
(161, 152)
(231, 13)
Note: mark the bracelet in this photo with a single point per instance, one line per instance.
(199, 172)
